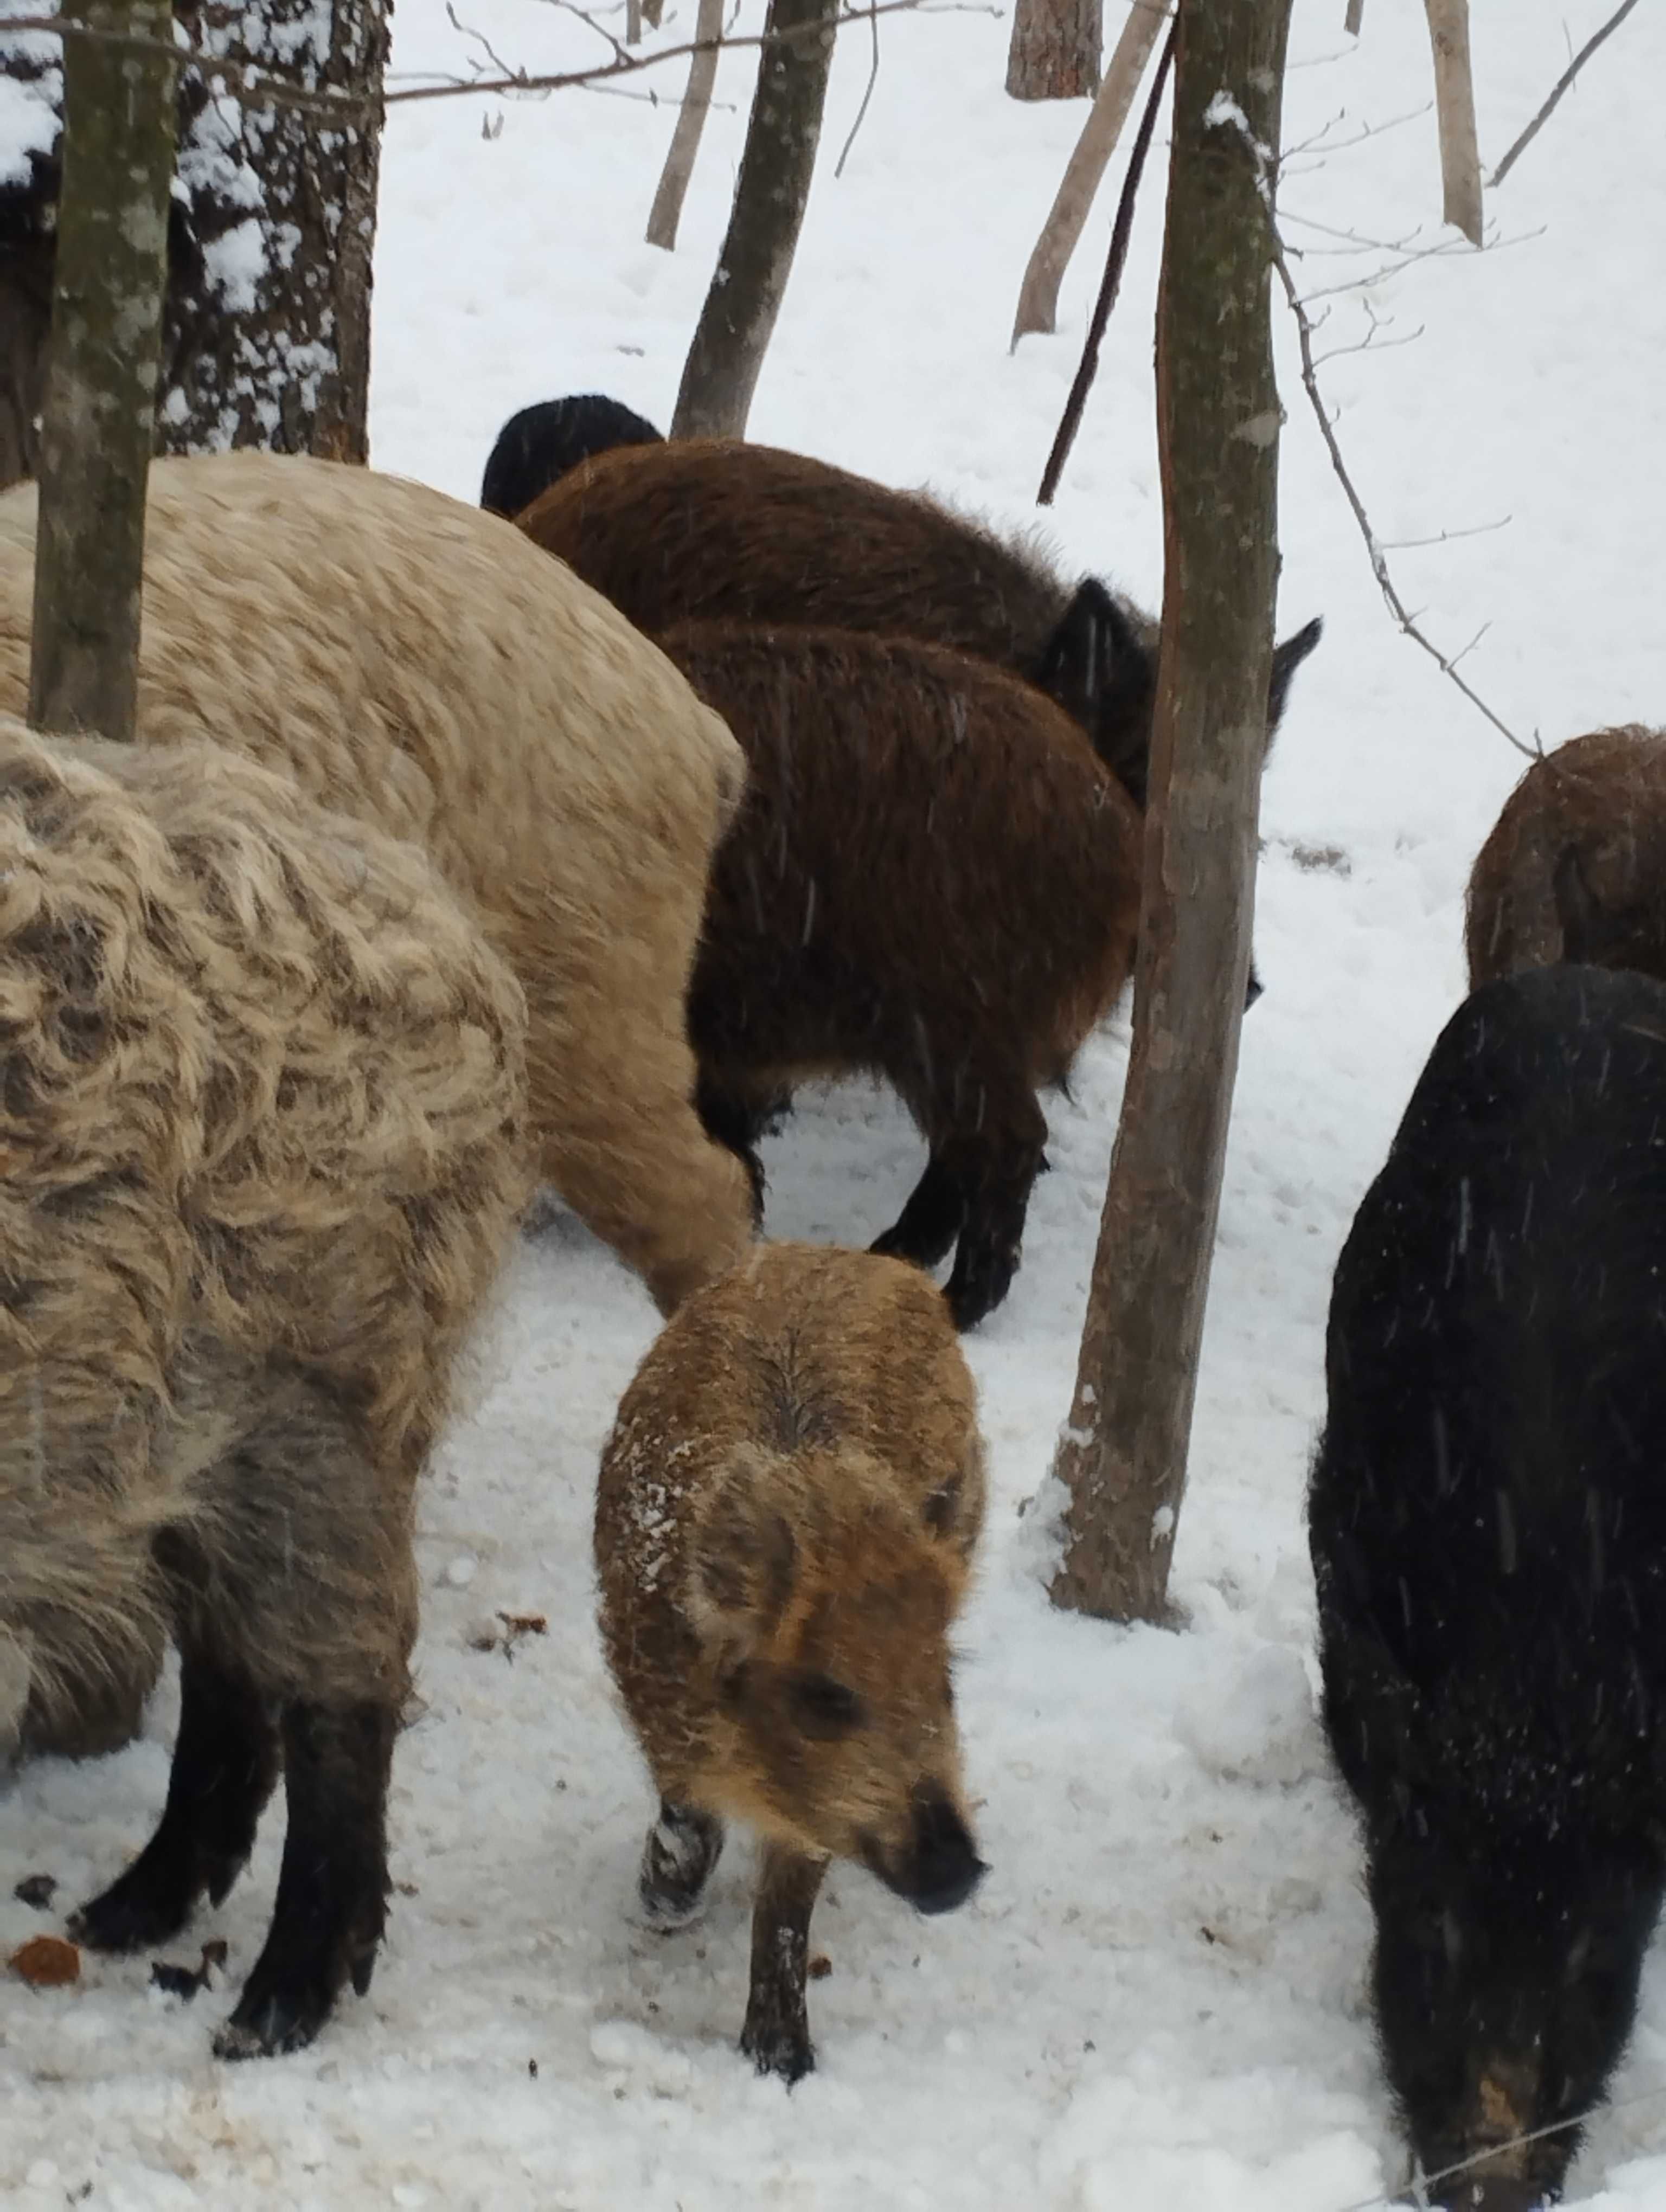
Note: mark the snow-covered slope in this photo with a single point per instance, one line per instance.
(1156, 2002)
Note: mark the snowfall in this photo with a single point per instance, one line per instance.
(1156, 2000)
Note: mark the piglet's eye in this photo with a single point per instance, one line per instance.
(823, 1707)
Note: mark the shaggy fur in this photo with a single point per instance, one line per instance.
(714, 529)
(542, 442)
(1575, 867)
(261, 1125)
(788, 1504)
(933, 878)
(1488, 1519)
(417, 663)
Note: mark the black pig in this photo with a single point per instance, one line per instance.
(1488, 1520)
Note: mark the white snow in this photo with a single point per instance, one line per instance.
(1156, 2000)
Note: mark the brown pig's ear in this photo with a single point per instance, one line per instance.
(954, 1510)
(743, 1558)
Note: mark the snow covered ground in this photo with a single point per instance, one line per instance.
(1156, 2002)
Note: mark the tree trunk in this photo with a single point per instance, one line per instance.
(266, 324)
(273, 342)
(1054, 50)
(1354, 18)
(1122, 1457)
(776, 164)
(1454, 109)
(1038, 296)
(99, 405)
(667, 209)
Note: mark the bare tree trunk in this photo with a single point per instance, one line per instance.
(1038, 294)
(652, 12)
(1454, 110)
(1122, 1457)
(633, 23)
(667, 209)
(776, 165)
(1054, 50)
(266, 324)
(99, 402)
(272, 342)
(1354, 18)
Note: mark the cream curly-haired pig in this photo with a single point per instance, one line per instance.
(425, 666)
(261, 1129)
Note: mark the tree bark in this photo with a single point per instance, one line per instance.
(1454, 110)
(1355, 18)
(1038, 294)
(266, 324)
(273, 344)
(776, 165)
(667, 209)
(100, 400)
(1122, 1457)
(1054, 50)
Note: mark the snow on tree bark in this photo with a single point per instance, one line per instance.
(1122, 1455)
(776, 165)
(100, 400)
(1054, 50)
(267, 319)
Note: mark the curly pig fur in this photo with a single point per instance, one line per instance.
(418, 663)
(261, 1125)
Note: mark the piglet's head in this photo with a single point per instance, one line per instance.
(822, 1597)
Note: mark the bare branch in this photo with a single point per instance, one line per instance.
(260, 87)
(1354, 18)
(254, 84)
(1121, 229)
(1446, 536)
(872, 79)
(1559, 88)
(1379, 565)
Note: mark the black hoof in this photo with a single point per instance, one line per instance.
(779, 2051)
(134, 1913)
(682, 1849)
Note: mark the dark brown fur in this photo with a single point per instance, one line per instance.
(788, 1507)
(933, 879)
(1575, 867)
(716, 530)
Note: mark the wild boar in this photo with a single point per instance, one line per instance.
(1488, 1520)
(263, 1124)
(788, 1505)
(1575, 866)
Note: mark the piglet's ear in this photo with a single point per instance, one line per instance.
(954, 1510)
(743, 1558)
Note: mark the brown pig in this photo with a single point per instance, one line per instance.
(787, 1507)
(1574, 868)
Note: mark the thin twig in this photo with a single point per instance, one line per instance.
(1446, 536)
(1070, 422)
(262, 86)
(1378, 562)
(1559, 88)
(872, 79)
